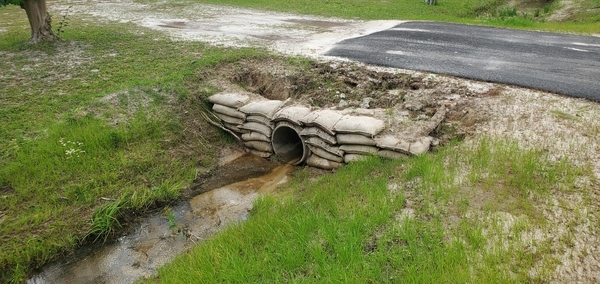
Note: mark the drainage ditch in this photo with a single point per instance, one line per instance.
(157, 239)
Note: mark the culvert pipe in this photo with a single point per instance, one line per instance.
(288, 144)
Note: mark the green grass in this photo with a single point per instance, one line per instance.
(92, 128)
(421, 220)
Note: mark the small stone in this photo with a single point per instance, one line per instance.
(366, 102)
(343, 104)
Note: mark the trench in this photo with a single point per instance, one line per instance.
(155, 240)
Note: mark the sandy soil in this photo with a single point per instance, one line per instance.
(562, 126)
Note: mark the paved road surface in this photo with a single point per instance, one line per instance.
(564, 64)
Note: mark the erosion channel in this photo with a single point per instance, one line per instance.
(155, 240)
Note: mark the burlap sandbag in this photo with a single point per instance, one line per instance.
(359, 149)
(351, 158)
(228, 111)
(420, 145)
(260, 119)
(354, 139)
(325, 119)
(392, 155)
(318, 132)
(318, 142)
(294, 126)
(229, 119)
(259, 145)
(292, 114)
(318, 162)
(235, 128)
(257, 127)
(255, 136)
(393, 143)
(365, 125)
(415, 147)
(325, 155)
(264, 108)
(229, 99)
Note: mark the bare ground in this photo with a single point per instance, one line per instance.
(562, 126)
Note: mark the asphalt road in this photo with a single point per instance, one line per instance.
(559, 63)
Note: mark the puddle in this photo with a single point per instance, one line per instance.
(175, 25)
(155, 241)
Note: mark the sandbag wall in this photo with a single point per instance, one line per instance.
(327, 138)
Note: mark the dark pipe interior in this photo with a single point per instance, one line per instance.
(288, 145)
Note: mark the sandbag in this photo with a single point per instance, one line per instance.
(420, 145)
(350, 158)
(318, 142)
(261, 154)
(260, 119)
(292, 114)
(257, 127)
(392, 155)
(228, 111)
(259, 145)
(318, 162)
(296, 128)
(325, 119)
(325, 155)
(235, 128)
(318, 132)
(229, 119)
(359, 149)
(355, 139)
(393, 143)
(264, 108)
(229, 99)
(365, 125)
(255, 136)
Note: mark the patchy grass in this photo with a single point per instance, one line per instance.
(93, 127)
(466, 213)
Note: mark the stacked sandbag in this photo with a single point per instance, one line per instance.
(259, 124)
(330, 138)
(414, 142)
(319, 135)
(225, 107)
(355, 136)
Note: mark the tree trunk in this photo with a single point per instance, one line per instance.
(39, 20)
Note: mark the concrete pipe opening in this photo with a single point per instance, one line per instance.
(288, 145)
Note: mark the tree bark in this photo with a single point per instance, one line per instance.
(39, 20)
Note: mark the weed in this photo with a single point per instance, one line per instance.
(105, 220)
(64, 22)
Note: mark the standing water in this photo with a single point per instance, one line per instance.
(161, 237)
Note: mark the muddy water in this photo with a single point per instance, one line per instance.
(156, 241)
